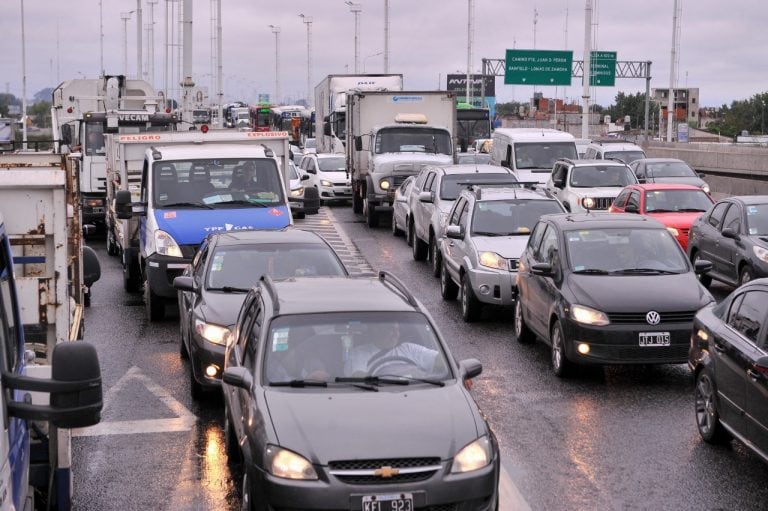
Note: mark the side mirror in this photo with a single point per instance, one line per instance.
(304, 177)
(185, 283)
(358, 143)
(75, 387)
(559, 183)
(641, 180)
(455, 232)
(238, 377)
(542, 269)
(470, 368)
(505, 163)
(123, 204)
(327, 129)
(426, 197)
(730, 233)
(702, 266)
(701, 175)
(310, 171)
(631, 208)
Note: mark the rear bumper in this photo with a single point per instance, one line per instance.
(161, 270)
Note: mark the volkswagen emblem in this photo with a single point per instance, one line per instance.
(653, 318)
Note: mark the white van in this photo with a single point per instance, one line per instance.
(614, 149)
(531, 152)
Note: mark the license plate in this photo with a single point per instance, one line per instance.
(655, 339)
(98, 210)
(390, 502)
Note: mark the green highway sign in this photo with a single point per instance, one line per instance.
(602, 68)
(538, 67)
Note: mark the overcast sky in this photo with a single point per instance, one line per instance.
(723, 45)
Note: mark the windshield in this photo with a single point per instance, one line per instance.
(209, 183)
(542, 155)
(452, 185)
(413, 140)
(332, 164)
(476, 158)
(625, 156)
(94, 138)
(241, 266)
(757, 219)
(669, 169)
(660, 201)
(511, 216)
(601, 176)
(353, 344)
(293, 173)
(310, 143)
(617, 249)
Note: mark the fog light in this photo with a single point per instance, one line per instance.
(583, 348)
(211, 371)
(484, 289)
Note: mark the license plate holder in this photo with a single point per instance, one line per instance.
(651, 339)
(388, 502)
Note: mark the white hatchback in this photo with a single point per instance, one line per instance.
(328, 173)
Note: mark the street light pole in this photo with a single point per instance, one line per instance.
(356, 9)
(470, 37)
(386, 37)
(365, 60)
(139, 37)
(308, 22)
(23, 82)
(276, 31)
(125, 16)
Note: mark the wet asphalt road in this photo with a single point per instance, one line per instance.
(615, 438)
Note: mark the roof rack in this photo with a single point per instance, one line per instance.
(270, 285)
(388, 278)
(477, 188)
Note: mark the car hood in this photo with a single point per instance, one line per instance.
(598, 191)
(411, 162)
(677, 220)
(695, 181)
(190, 226)
(510, 247)
(358, 424)
(638, 293)
(220, 308)
(334, 176)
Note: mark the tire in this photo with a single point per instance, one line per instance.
(435, 258)
(396, 231)
(707, 416)
(246, 500)
(371, 215)
(705, 280)
(131, 281)
(154, 304)
(419, 247)
(195, 389)
(112, 248)
(561, 366)
(470, 306)
(183, 353)
(87, 297)
(523, 334)
(745, 275)
(357, 203)
(300, 216)
(408, 233)
(448, 288)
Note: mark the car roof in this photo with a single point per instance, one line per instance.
(534, 134)
(327, 155)
(350, 294)
(649, 187)
(749, 199)
(616, 146)
(579, 221)
(251, 236)
(586, 162)
(190, 151)
(661, 160)
(508, 192)
(473, 168)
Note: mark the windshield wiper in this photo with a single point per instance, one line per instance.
(692, 210)
(488, 233)
(299, 383)
(407, 379)
(230, 289)
(186, 204)
(660, 210)
(245, 202)
(370, 380)
(593, 271)
(641, 271)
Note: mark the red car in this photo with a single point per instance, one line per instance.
(676, 206)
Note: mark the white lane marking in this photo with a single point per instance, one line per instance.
(183, 421)
(510, 498)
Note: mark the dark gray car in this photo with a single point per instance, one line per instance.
(667, 170)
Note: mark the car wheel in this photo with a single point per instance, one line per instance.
(408, 231)
(230, 440)
(705, 280)
(154, 304)
(470, 307)
(434, 257)
(195, 389)
(183, 353)
(561, 366)
(448, 288)
(522, 333)
(395, 230)
(246, 501)
(707, 416)
(745, 275)
(371, 215)
(419, 247)
(299, 216)
(131, 282)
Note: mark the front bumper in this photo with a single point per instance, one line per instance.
(94, 209)
(161, 270)
(620, 344)
(477, 490)
(202, 354)
(335, 192)
(497, 287)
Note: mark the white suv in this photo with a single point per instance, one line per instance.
(614, 149)
(583, 185)
(328, 173)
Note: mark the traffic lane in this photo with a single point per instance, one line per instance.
(126, 463)
(613, 438)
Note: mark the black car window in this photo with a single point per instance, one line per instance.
(535, 239)
(548, 247)
(757, 220)
(199, 263)
(621, 199)
(250, 314)
(639, 169)
(428, 183)
(634, 199)
(717, 214)
(735, 303)
(249, 355)
(732, 219)
(456, 214)
(751, 312)
(420, 179)
(463, 216)
(559, 173)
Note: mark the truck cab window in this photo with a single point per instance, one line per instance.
(94, 138)
(8, 334)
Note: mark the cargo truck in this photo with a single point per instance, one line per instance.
(331, 105)
(391, 136)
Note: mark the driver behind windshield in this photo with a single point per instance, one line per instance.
(385, 345)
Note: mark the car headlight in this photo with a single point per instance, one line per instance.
(384, 184)
(213, 333)
(473, 457)
(297, 192)
(674, 232)
(588, 316)
(289, 465)
(760, 253)
(588, 202)
(493, 260)
(325, 182)
(705, 187)
(166, 245)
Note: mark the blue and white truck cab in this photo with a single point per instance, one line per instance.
(188, 191)
(73, 381)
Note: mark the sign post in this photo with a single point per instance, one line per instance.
(602, 69)
(538, 67)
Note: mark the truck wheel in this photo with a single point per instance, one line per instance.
(131, 281)
(371, 215)
(154, 304)
(111, 245)
(357, 203)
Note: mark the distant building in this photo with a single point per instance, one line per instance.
(685, 104)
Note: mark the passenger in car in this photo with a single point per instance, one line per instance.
(385, 342)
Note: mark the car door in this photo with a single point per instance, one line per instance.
(620, 201)
(755, 306)
(423, 210)
(187, 299)
(542, 290)
(709, 233)
(524, 275)
(448, 246)
(728, 248)
(558, 175)
(463, 247)
(236, 358)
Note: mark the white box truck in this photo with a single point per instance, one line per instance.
(331, 105)
(393, 135)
